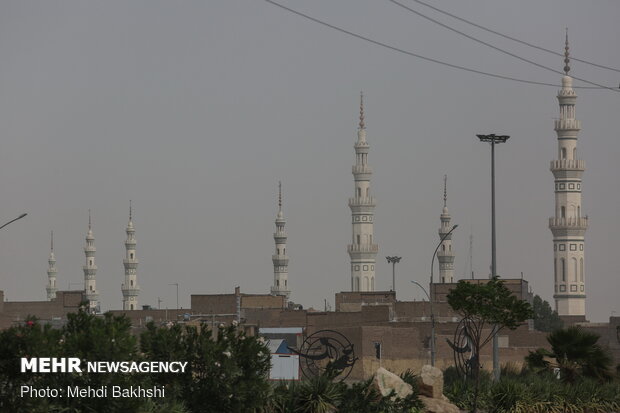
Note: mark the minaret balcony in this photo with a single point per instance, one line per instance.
(280, 260)
(580, 223)
(363, 248)
(362, 201)
(567, 124)
(568, 164)
(130, 291)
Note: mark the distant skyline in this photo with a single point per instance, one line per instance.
(196, 110)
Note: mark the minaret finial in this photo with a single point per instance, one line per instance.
(566, 55)
(362, 124)
(89, 226)
(279, 195)
(130, 211)
(445, 191)
(52, 246)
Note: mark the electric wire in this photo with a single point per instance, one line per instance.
(514, 39)
(429, 59)
(445, 26)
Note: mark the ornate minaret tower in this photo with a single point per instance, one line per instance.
(362, 250)
(51, 273)
(130, 287)
(90, 271)
(445, 254)
(568, 226)
(280, 259)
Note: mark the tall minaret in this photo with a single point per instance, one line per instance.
(362, 250)
(51, 273)
(569, 225)
(90, 271)
(130, 287)
(445, 254)
(280, 259)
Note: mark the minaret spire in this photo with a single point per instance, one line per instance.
(90, 270)
(566, 55)
(445, 192)
(130, 287)
(445, 256)
(362, 125)
(51, 272)
(280, 259)
(362, 250)
(569, 225)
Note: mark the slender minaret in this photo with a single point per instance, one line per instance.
(90, 271)
(362, 250)
(130, 287)
(51, 272)
(568, 226)
(280, 259)
(445, 256)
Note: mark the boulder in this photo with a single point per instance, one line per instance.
(386, 381)
(430, 382)
(441, 405)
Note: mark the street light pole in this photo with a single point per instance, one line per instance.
(493, 140)
(13, 220)
(393, 260)
(430, 297)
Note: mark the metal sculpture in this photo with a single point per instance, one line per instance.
(465, 357)
(326, 351)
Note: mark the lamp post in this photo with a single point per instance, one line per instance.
(432, 322)
(177, 285)
(393, 260)
(13, 220)
(430, 299)
(493, 140)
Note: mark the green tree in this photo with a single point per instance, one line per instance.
(545, 319)
(575, 352)
(227, 371)
(484, 306)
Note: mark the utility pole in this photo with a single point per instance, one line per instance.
(493, 140)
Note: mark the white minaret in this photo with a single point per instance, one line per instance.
(130, 287)
(362, 250)
(90, 271)
(51, 273)
(445, 256)
(569, 225)
(280, 259)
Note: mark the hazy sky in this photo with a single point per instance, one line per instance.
(195, 109)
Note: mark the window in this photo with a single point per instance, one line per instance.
(574, 153)
(131, 255)
(575, 269)
(555, 270)
(443, 247)
(563, 153)
(367, 189)
(371, 238)
(131, 283)
(358, 240)
(563, 265)
(285, 283)
(563, 212)
(90, 262)
(357, 284)
(372, 284)
(131, 307)
(284, 251)
(581, 270)
(359, 192)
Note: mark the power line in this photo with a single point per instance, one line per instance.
(513, 38)
(429, 59)
(445, 26)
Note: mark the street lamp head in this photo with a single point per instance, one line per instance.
(493, 138)
(393, 259)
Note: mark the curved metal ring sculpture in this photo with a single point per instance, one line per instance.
(465, 357)
(326, 351)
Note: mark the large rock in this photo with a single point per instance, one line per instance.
(441, 405)
(386, 382)
(430, 382)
